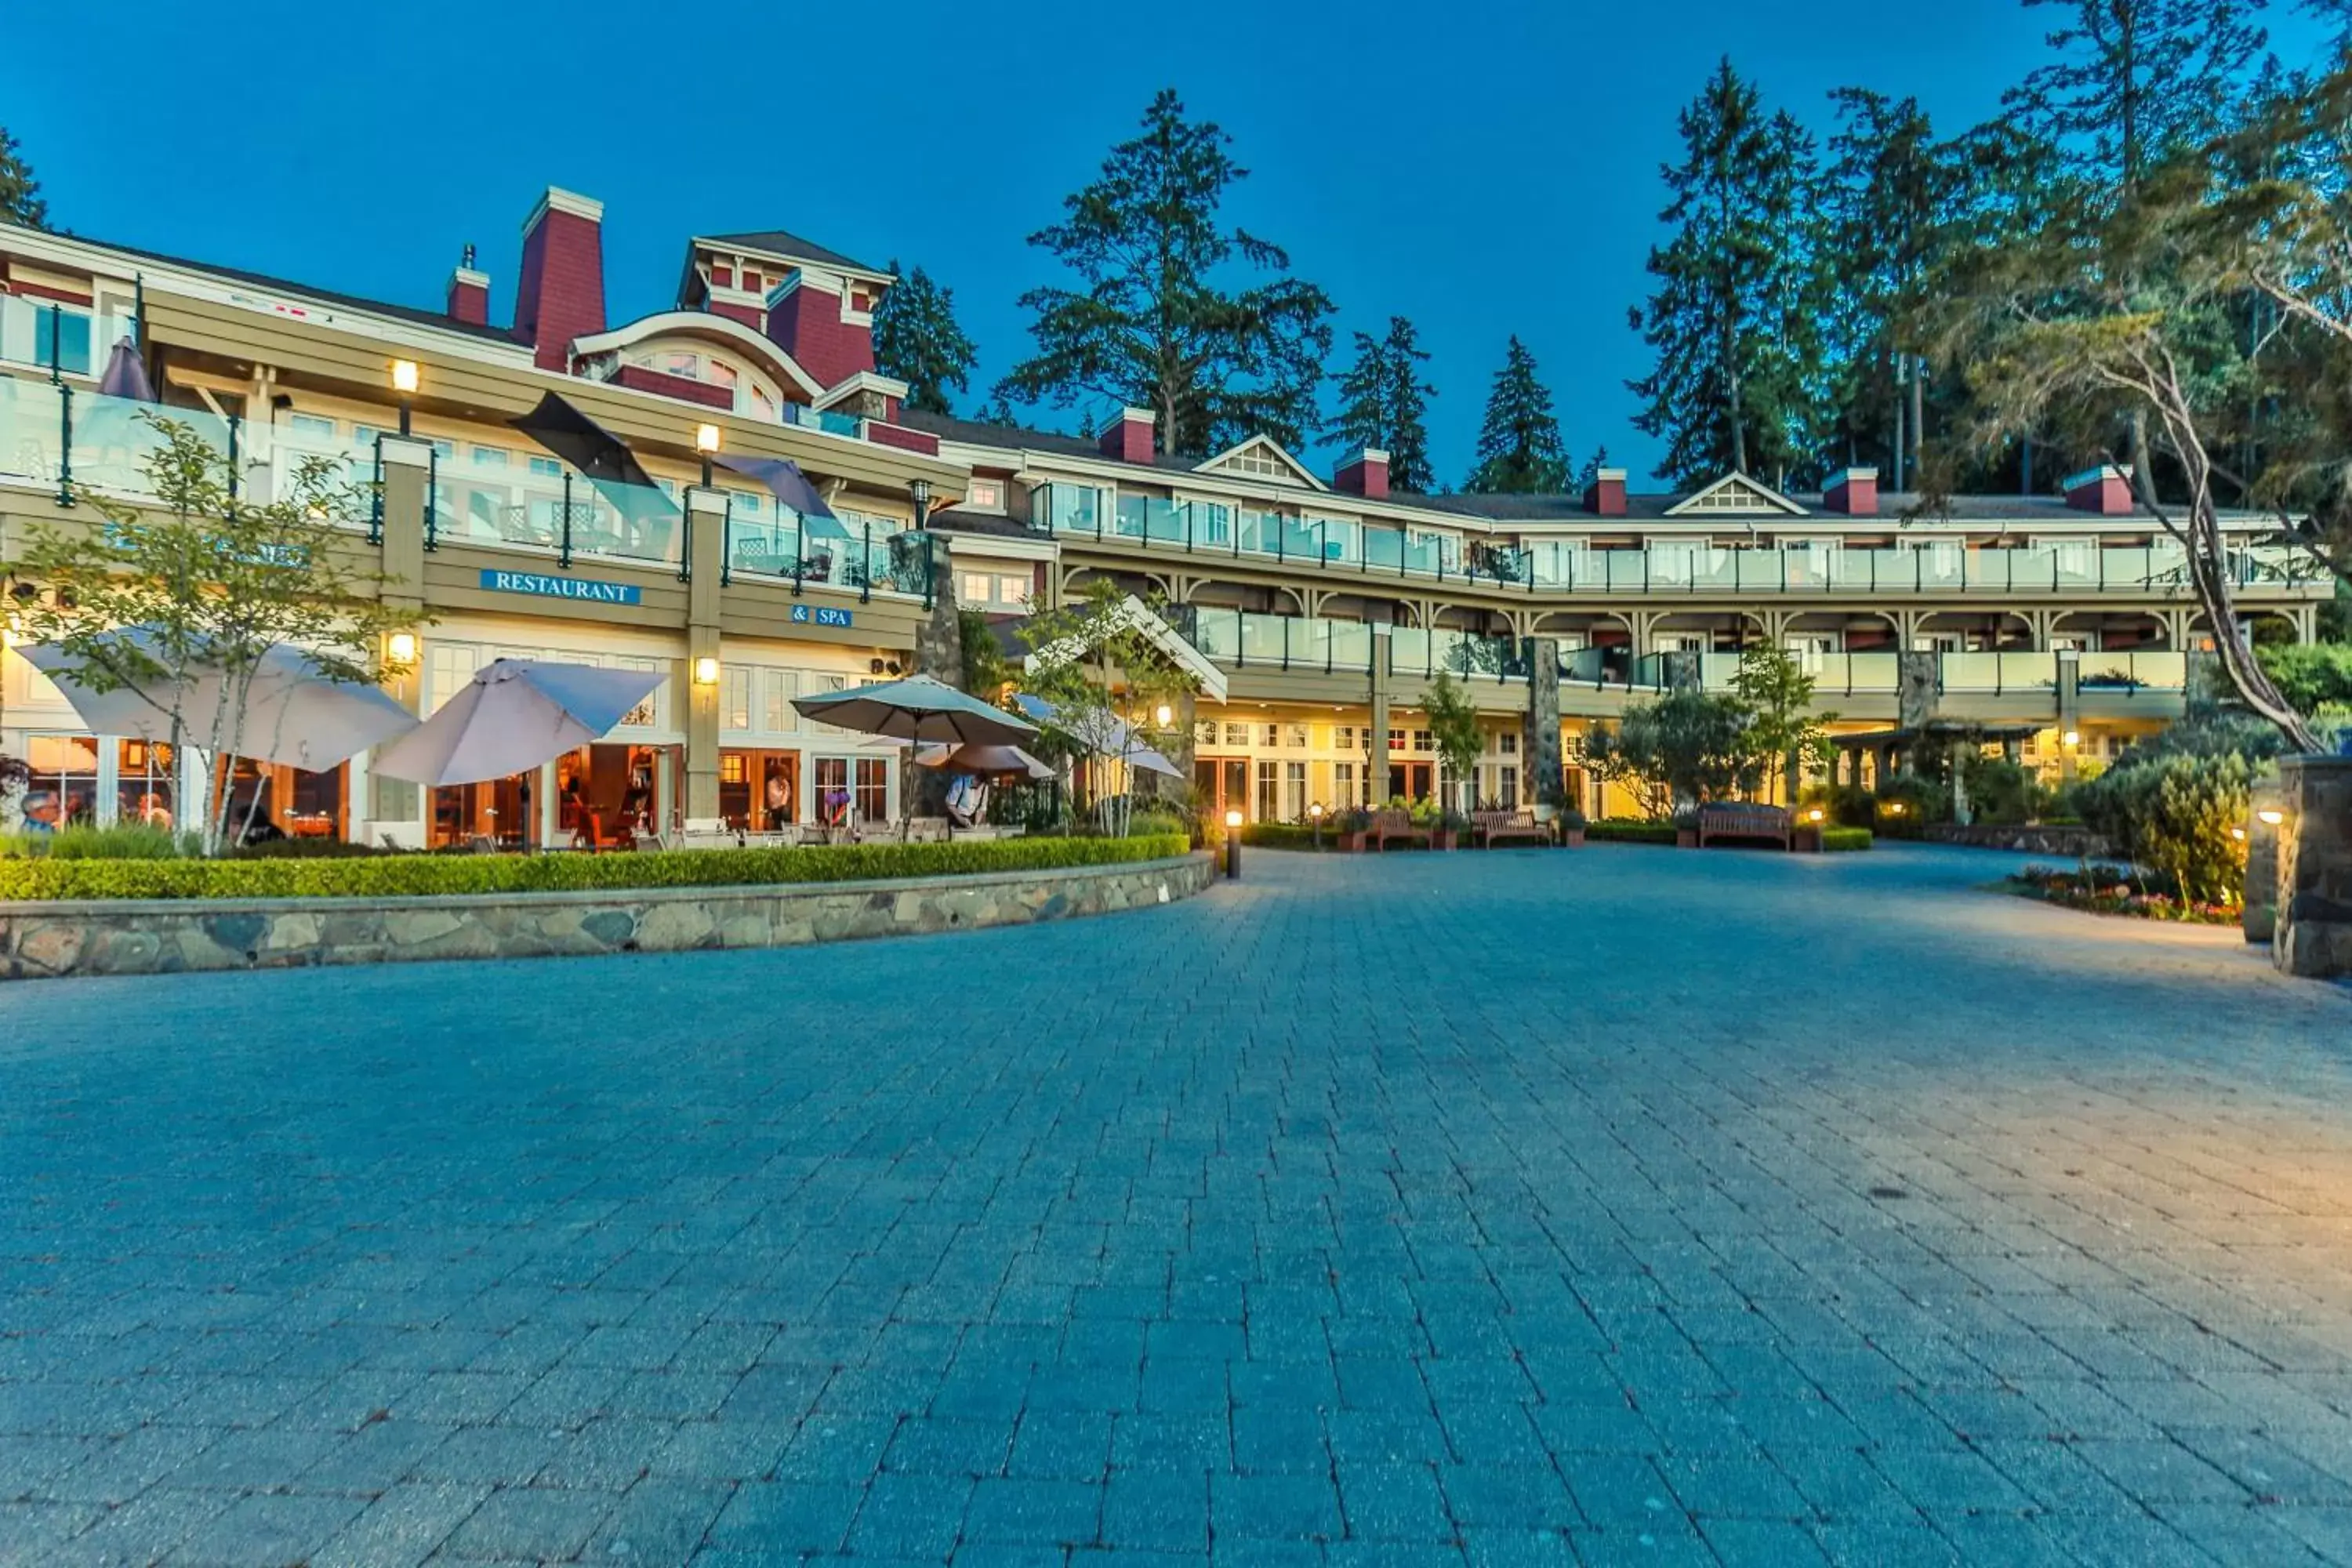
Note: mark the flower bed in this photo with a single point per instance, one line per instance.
(401, 876)
(2114, 891)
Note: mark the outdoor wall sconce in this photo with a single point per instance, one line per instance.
(706, 442)
(400, 649)
(706, 670)
(2070, 738)
(874, 666)
(404, 381)
(2270, 816)
(1163, 715)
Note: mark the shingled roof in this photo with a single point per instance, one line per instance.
(790, 246)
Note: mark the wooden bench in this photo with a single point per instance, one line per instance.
(1388, 825)
(1744, 819)
(1487, 827)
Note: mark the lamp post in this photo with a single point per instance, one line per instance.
(706, 446)
(404, 381)
(1232, 846)
(1315, 815)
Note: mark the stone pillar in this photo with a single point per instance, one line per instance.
(1541, 749)
(706, 511)
(1376, 786)
(2259, 917)
(2315, 868)
(1917, 679)
(1681, 670)
(396, 807)
(1959, 765)
(2205, 686)
(938, 653)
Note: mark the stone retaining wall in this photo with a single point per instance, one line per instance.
(168, 936)
(2069, 843)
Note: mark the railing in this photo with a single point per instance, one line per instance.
(824, 550)
(43, 335)
(824, 420)
(1247, 640)
(548, 509)
(1555, 567)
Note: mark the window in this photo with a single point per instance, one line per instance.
(1236, 734)
(65, 330)
(783, 685)
(142, 783)
(1508, 742)
(1343, 785)
(1343, 737)
(1421, 740)
(645, 714)
(873, 789)
(986, 495)
(1269, 735)
(833, 796)
(489, 457)
(547, 468)
(730, 767)
(1510, 791)
(1396, 740)
(311, 425)
(63, 788)
(735, 699)
(979, 588)
(448, 666)
(1295, 736)
(1205, 732)
(1268, 783)
(1013, 590)
(1294, 791)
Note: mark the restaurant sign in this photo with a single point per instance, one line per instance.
(581, 588)
(823, 615)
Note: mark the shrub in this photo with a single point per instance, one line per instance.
(1572, 819)
(122, 841)
(1849, 805)
(1922, 803)
(2310, 674)
(1287, 836)
(313, 850)
(2173, 814)
(1842, 840)
(1629, 830)
(2003, 792)
(395, 876)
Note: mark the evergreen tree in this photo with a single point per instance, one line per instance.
(1156, 322)
(1519, 449)
(2135, 81)
(1733, 320)
(1384, 402)
(996, 411)
(917, 340)
(1891, 191)
(20, 193)
(1590, 474)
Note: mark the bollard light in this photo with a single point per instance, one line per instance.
(2270, 816)
(1315, 815)
(1232, 846)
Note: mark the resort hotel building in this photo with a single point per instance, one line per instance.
(802, 531)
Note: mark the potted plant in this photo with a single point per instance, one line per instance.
(1686, 828)
(1354, 823)
(1571, 826)
(1447, 831)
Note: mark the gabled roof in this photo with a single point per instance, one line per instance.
(758, 350)
(1733, 494)
(415, 314)
(788, 246)
(1257, 457)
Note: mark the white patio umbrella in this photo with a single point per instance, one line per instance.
(294, 715)
(516, 714)
(916, 709)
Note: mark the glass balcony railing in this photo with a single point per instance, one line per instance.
(542, 507)
(824, 420)
(826, 549)
(1567, 567)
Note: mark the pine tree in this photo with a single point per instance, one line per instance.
(2135, 81)
(1384, 402)
(1155, 322)
(996, 411)
(917, 340)
(20, 193)
(1734, 318)
(1892, 194)
(1588, 475)
(1519, 449)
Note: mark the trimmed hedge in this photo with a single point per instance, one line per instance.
(1620, 831)
(1838, 840)
(403, 876)
(1287, 836)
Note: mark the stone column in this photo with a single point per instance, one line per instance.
(1541, 749)
(1917, 677)
(2315, 868)
(396, 807)
(2069, 709)
(705, 557)
(1377, 787)
(1959, 752)
(1681, 669)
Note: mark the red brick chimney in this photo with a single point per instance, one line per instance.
(817, 318)
(1606, 495)
(1127, 438)
(2105, 489)
(469, 293)
(1365, 474)
(1854, 492)
(559, 294)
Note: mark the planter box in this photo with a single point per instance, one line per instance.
(1443, 838)
(1685, 837)
(1573, 838)
(1805, 840)
(1351, 843)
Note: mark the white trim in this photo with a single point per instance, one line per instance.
(470, 277)
(1693, 504)
(1306, 476)
(861, 381)
(708, 323)
(1004, 545)
(708, 246)
(1133, 613)
(555, 198)
(408, 451)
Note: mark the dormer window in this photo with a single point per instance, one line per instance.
(986, 495)
(751, 281)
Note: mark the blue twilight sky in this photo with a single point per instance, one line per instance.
(1485, 171)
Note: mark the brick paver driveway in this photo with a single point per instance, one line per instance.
(1623, 1206)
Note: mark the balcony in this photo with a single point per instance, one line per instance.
(801, 551)
(1247, 640)
(1556, 568)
